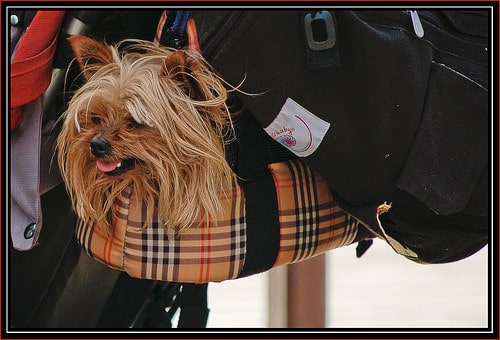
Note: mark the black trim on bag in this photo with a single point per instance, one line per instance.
(249, 157)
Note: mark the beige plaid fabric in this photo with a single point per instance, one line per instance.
(310, 224)
(310, 221)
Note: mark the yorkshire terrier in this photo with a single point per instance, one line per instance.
(148, 118)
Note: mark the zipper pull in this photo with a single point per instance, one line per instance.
(417, 24)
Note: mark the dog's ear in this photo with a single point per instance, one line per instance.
(182, 68)
(90, 54)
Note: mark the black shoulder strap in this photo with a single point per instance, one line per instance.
(249, 156)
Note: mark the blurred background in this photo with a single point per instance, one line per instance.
(379, 290)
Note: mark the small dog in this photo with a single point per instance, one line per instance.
(148, 118)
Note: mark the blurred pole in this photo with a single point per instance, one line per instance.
(306, 293)
(278, 295)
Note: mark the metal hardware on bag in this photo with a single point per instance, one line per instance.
(175, 36)
(417, 24)
(398, 247)
(320, 30)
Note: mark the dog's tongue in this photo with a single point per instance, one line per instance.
(106, 166)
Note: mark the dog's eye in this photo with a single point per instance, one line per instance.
(96, 120)
(132, 124)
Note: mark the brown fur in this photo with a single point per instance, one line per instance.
(163, 109)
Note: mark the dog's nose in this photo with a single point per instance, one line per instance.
(99, 147)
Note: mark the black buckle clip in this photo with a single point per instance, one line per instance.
(320, 30)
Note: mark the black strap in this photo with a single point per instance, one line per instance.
(249, 157)
(75, 22)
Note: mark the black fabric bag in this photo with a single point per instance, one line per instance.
(409, 115)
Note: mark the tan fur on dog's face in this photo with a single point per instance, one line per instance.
(148, 119)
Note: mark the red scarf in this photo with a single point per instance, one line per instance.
(31, 69)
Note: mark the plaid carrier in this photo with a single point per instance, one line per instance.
(310, 223)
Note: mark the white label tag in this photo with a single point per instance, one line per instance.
(298, 129)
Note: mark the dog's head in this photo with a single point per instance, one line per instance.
(150, 120)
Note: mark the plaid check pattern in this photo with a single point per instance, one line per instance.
(310, 221)
(310, 224)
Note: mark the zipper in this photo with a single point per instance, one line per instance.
(439, 22)
(417, 24)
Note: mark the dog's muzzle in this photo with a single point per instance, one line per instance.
(101, 148)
